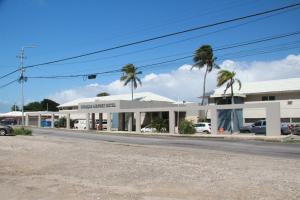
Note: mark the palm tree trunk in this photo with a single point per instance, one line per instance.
(204, 86)
(232, 102)
(131, 90)
(203, 94)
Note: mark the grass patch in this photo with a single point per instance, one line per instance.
(22, 131)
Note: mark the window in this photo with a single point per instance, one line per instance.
(257, 123)
(271, 98)
(268, 98)
(264, 98)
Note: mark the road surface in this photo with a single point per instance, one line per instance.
(273, 149)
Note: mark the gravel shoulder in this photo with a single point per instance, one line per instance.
(42, 167)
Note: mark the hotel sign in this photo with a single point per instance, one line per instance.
(98, 105)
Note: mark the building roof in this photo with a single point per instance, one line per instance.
(271, 86)
(11, 114)
(142, 96)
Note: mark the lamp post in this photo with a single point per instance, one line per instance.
(22, 79)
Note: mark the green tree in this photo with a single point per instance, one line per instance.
(204, 58)
(15, 108)
(228, 78)
(102, 94)
(49, 105)
(33, 106)
(45, 104)
(130, 75)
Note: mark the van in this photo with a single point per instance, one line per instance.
(80, 124)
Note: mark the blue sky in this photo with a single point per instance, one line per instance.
(66, 28)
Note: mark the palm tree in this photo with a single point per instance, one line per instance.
(228, 78)
(130, 74)
(204, 57)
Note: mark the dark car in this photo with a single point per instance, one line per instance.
(6, 130)
(259, 127)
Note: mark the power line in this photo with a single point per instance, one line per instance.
(279, 48)
(169, 35)
(171, 43)
(240, 44)
(9, 83)
(162, 36)
(10, 73)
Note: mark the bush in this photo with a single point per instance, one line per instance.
(22, 131)
(61, 123)
(186, 127)
(159, 124)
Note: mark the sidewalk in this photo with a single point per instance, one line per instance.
(282, 138)
(236, 136)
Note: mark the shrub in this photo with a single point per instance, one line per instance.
(159, 124)
(22, 131)
(62, 122)
(186, 127)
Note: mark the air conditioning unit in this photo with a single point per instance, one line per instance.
(289, 102)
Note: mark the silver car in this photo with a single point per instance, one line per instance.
(259, 127)
(6, 130)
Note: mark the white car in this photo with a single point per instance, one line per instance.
(203, 127)
(148, 129)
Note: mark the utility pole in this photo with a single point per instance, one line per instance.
(22, 78)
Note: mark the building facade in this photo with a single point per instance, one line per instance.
(284, 91)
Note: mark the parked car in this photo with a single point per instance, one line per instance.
(296, 129)
(6, 130)
(148, 129)
(203, 127)
(259, 127)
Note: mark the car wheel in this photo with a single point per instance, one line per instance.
(206, 132)
(2, 132)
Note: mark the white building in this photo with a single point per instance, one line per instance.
(284, 91)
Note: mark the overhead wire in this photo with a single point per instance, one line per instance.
(160, 37)
(241, 44)
(167, 61)
(167, 35)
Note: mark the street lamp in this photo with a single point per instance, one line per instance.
(22, 79)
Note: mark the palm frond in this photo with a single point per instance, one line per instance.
(127, 81)
(139, 80)
(134, 83)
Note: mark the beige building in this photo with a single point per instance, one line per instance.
(284, 91)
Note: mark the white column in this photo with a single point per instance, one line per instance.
(108, 121)
(214, 120)
(171, 122)
(273, 119)
(39, 120)
(130, 121)
(52, 120)
(138, 122)
(26, 119)
(68, 121)
(87, 121)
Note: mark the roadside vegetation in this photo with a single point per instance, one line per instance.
(186, 127)
(22, 131)
(160, 125)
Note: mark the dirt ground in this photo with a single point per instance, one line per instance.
(41, 167)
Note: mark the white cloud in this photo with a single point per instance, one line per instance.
(186, 84)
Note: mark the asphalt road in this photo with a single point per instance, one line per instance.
(273, 149)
